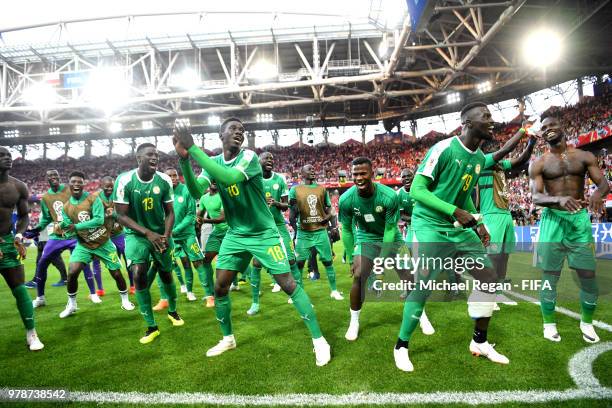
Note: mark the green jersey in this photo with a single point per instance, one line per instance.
(454, 170)
(87, 215)
(276, 187)
(146, 199)
(213, 206)
(493, 189)
(371, 214)
(311, 200)
(406, 203)
(51, 204)
(184, 213)
(244, 203)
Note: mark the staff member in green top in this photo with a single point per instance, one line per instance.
(83, 214)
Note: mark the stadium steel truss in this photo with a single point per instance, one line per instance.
(354, 72)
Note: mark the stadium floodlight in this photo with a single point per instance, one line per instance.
(264, 117)
(483, 87)
(80, 129)
(147, 124)
(454, 97)
(114, 127)
(214, 120)
(188, 79)
(107, 89)
(542, 48)
(40, 94)
(263, 70)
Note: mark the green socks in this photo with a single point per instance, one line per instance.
(188, 279)
(410, 319)
(170, 289)
(331, 276)
(297, 273)
(208, 281)
(144, 305)
(24, 305)
(162, 292)
(301, 301)
(548, 297)
(255, 283)
(201, 270)
(588, 299)
(179, 275)
(223, 311)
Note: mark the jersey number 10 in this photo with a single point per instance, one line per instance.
(233, 190)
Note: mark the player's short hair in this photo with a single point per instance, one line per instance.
(77, 173)
(107, 178)
(170, 168)
(265, 153)
(469, 107)
(226, 121)
(51, 171)
(361, 160)
(144, 146)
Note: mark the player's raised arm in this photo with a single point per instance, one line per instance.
(541, 197)
(509, 146)
(603, 188)
(525, 154)
(183, 137)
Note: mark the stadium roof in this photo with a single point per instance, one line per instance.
(314, 63)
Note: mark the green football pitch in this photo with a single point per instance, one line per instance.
(95, 354)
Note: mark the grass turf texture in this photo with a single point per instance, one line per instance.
(97, 349)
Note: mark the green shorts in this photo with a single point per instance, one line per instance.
(371, 250)
(216, 237)
(107, 253)
(188, 247)
(563, 234)
(237, 250)
(317, 239)
(10, 256)
(501, 229)
(287, 241)
(459, 250)
(409, 236)
(138, 250)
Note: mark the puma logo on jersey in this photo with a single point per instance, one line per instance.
(458, 161)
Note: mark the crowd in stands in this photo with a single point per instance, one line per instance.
(329, 161)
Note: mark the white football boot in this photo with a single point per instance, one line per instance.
(588, 333)
(322, 351)
(226, 343)
(402, 361)
(551, 333)
(486, 350)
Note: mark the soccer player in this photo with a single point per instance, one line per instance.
(314, 211)
(275, 189)
(143, 201)
(252, 231)
(442, 190)
(117, 233)
(212, 206)
(40, 239)
(373, 209)
(51, 205)
(14, 195)
(557, 183)
(406, 203)
(184, 235)
(84, 215)
(493, 200)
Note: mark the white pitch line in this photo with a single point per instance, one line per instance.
(581, 365)
(562, 310)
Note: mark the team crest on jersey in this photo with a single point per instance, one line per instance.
(378, 209)
(477, 169)
(83, 216)
(156, 190)
(181, 199)
(276, 186)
